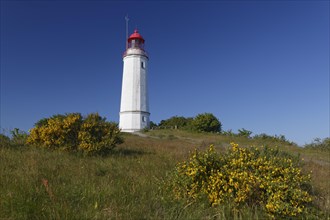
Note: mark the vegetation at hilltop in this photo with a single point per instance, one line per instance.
(179, 122)
(265, 177)
(205, 122)
(319, 144)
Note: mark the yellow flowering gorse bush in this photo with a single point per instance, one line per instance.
(96, 135)
(56, 132)
(263, 177)
(72, 132)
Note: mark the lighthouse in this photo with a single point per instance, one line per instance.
(134, 107)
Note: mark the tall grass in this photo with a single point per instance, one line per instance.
(128, 184)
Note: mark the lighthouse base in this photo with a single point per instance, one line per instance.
(132, 121)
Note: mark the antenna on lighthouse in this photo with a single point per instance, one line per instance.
(127, 19)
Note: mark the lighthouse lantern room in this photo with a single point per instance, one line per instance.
(134, 106)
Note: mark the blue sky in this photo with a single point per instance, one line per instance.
(258, 65)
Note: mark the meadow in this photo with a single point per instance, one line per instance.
(130, 183)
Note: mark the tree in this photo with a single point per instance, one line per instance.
(176, 121)
(153, 125)
(206, 122)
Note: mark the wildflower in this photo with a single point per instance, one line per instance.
(241, 173)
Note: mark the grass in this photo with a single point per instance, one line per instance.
(39, 184)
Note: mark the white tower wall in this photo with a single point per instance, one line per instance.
(134, 107)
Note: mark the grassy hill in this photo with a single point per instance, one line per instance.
(39, 184)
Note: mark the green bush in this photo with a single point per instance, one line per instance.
(258, 177)
(274, 138)
(153, 125)
(176, 122)
(319, 144)
(18, 137)
(4, 141)
(244, 133)
(206, 122)
(72, 132)
(229, 133)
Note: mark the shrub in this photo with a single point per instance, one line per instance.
(4, 141)
(176, 122)
(319, 144)
(244, 133)
(153, 125)
(96, 136)
(72, 132)
(274, 138)
(229, 133)
(57, 132)
(259, 177)
(206, 122)
(18, 137)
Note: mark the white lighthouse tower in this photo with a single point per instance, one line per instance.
(134, 106)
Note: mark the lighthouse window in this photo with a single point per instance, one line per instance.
(143, 65)
(133, 43)
(144, 119)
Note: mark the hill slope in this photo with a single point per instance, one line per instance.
(38, 184)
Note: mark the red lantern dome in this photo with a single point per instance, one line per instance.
(135, 36)
(135, 41)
